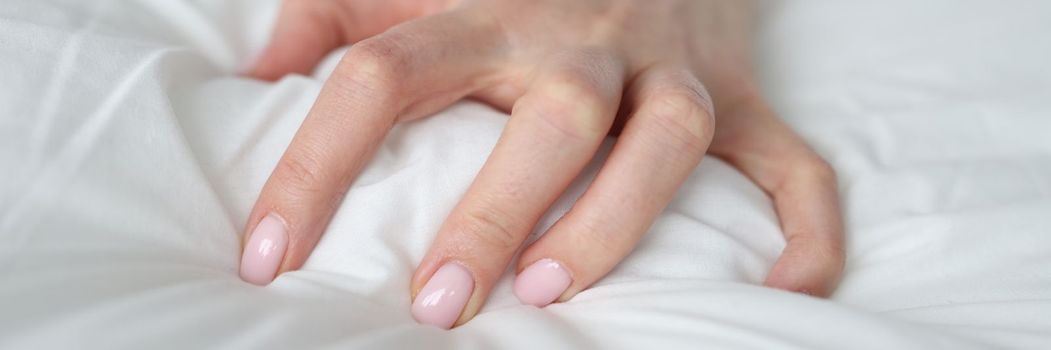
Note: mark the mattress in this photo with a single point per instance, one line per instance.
(131, 153)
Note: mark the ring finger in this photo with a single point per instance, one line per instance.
(662, 142)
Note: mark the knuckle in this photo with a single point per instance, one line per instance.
(300, 174)
(828, 254)
(828, 251)
(684, 115)
(821, 170)
(577, 89)
(374, 65)
(489, 228)
(573, 105)
(811, 168)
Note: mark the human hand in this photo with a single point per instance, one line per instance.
(570, 73)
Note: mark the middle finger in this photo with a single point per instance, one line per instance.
(554, 130)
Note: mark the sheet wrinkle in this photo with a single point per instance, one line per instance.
(575, 334)
(946, 214)
(958, 329)
(728, 328)
(72, 153)
(52, 99)
(83, 313)
(270, 107)
(966, 304)
(389, 174)
(729, 236)
(213, 182)
(199, 31)
(334, 283)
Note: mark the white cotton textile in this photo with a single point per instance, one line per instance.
(131, 154)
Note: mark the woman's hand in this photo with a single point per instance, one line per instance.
(671, 78)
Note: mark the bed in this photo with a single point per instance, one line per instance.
(132, 153)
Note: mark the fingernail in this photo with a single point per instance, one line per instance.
(541, 283)
(442, 299)
(264, 251)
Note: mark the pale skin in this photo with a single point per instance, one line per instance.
(672, 80)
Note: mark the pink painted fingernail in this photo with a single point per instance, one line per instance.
(541, 283)
(442, 299)
(264, 251)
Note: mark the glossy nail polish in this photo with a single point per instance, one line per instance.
(541, 283)
(443, 298)
(265, 249)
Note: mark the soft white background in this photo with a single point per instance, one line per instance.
(131, 154)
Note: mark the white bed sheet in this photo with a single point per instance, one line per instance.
(132, 154)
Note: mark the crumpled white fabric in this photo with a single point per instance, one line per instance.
(132, 153)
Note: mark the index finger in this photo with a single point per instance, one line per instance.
(380, 80)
